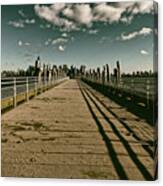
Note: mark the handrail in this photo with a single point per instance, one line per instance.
(146, 89)
(11, 89)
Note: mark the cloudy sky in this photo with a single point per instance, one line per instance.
(75, 34)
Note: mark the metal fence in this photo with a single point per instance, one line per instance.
(134, 91)
(17, 89)
(142, 86)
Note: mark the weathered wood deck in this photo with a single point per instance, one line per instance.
(72, 131)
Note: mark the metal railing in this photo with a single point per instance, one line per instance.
(17, 89)
(142, 86)
(137, 90)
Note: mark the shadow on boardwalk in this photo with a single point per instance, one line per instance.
(150, 115)
(111, 151)
(129, 129)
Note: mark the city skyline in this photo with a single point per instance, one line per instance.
(90, 34)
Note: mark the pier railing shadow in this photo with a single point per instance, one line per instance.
(129, 101)
(148, 143)
(111, 151)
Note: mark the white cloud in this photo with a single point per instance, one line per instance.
(16, 24)
(107, 13)
(51, 14)
(64, 35)
(144, 31)
(21, 23)
(42, 26)
(20, 12)
(59, 41)
(134, 8)
(144, 52)
(68, 11)
(58, 7)
(20, 43)
(46, 13)
(45, 26)
(143, 7)
(27, 44)
(48, 25)
(48, 42)
(61, 48)
(93, 31)
(81, 13)
(84, 30)
(137, 7)
(71, 16)
(29, 21)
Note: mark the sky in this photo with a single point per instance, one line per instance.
(91, 34)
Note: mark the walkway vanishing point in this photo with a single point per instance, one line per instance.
(73, 131)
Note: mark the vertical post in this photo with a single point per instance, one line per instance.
(39, 77)
(118, 72)
(39, 82)
(53, 79)
(147, 92)
(103, 76)
(115, 77)
(98, 74)
(132, 90)
(50, 78)
(15, 102)
(108, 74)
(27, 89)
(44, 81)
(132, 85)
(36, 86)
(44, 78)
(47, 74)
(42, 84)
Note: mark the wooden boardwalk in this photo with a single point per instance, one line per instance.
(72, 131)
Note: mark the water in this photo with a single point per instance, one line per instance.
(9, 91)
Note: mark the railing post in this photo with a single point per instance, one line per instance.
(132, 85)
(53, 79)
(45, 83)
(27, 89)
(132, 90)
(15, 101)
(147, 92)
(36, 86)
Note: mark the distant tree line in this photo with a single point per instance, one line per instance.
(12, 73)
(31, 71)
(71, 71)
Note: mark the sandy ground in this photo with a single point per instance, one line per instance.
(72, 131)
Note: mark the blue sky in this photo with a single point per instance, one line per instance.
(75, 34)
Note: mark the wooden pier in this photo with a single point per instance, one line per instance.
(73, 131)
